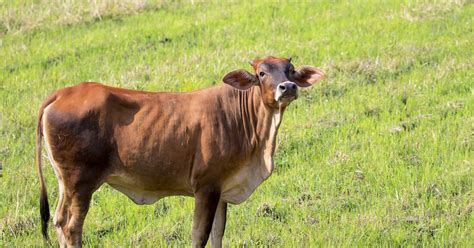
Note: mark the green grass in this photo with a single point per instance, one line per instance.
(379, 154)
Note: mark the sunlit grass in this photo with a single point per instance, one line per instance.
(379, 154)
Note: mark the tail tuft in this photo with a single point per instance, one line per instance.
(44, 212)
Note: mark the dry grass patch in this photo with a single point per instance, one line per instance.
(30, 15)
(428, 10)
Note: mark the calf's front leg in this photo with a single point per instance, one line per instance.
(218, 226)
(206, 201)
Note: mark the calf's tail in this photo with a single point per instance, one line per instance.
(44, 205)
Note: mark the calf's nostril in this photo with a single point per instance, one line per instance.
(293, 86)
(282, 87)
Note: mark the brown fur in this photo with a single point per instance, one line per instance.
(214, 144)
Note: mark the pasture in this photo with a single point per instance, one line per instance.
(381, 153)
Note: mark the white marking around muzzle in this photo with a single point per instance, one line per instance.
(279, 93)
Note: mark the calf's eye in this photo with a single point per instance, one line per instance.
(261, 74)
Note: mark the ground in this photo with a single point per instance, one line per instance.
(380, 153)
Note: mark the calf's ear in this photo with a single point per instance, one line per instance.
(306, 76)
(240, 79)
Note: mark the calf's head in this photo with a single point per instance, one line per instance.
(277, 78)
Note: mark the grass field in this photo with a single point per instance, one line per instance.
(379, 154)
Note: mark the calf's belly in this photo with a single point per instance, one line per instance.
(142, 190)
(145, 182)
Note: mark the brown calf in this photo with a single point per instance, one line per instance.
(215, 144)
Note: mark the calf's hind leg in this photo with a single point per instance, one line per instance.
(60, 218)
(80, 183)
(77, 207)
